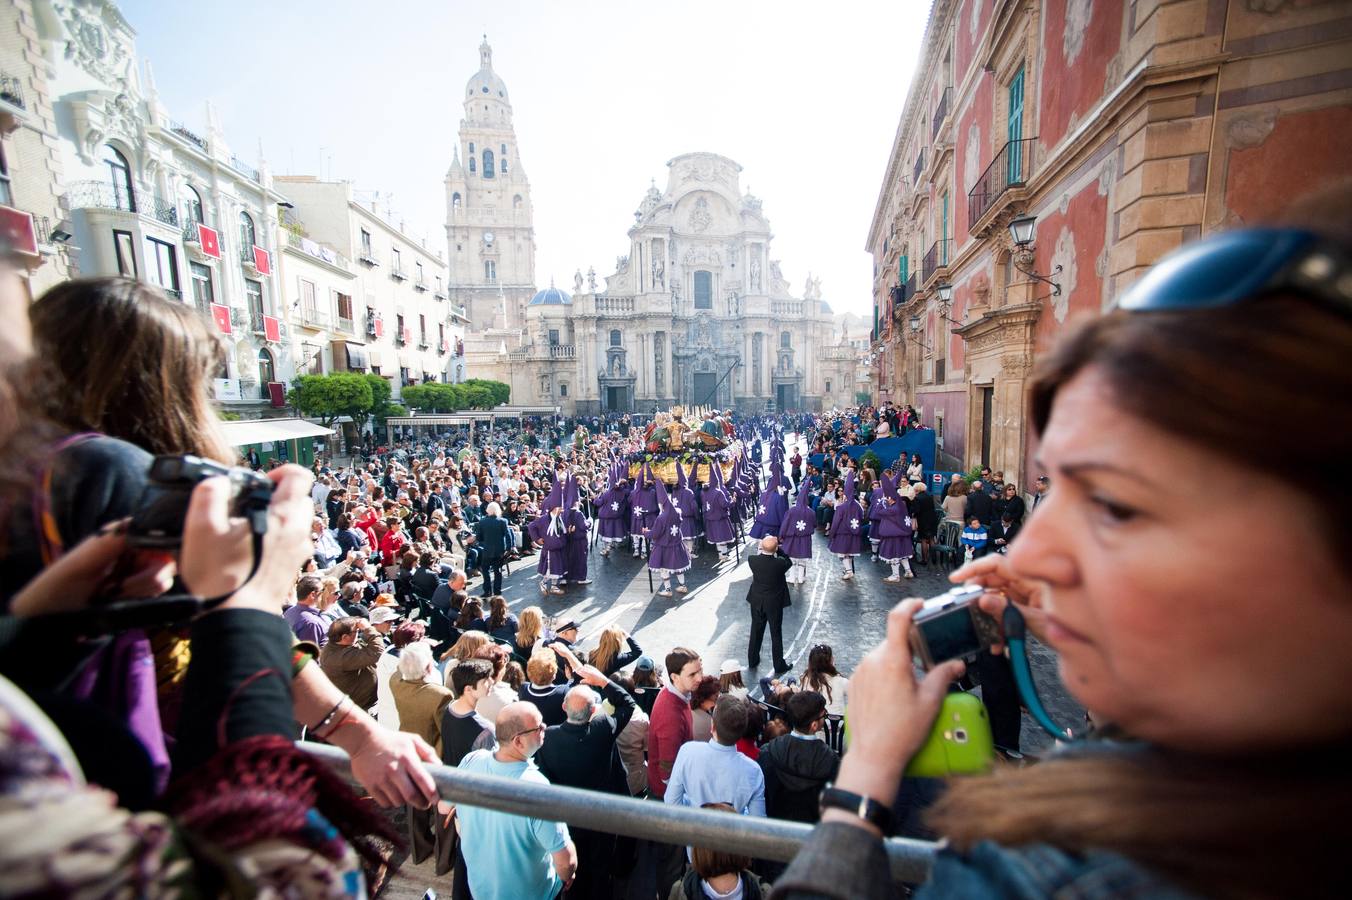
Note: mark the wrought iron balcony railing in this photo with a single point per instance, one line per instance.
(941, 111)
(1010, 168)
(182, 131)
(11, 90)
(936, 258)
(100, 195)
(919, 167)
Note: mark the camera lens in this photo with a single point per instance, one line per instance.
(960, 735)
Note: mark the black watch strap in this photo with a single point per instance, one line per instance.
(866, 808)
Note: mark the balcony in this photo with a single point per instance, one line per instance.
(346, 325)
(1009, 169)
(424, 345)
(318, 251)
(400, 340)
(936, 260)
(398, 274)
(919, 168)
(246, 170)
(165, 212)
(367, 258)
(941, 111)
(438, 295)
(171, 292)
(11, 91)
(785, 308)
(615, 306)
(99, 195)
(905, 294)
(420, 286)
(314, 318)
(256, 322)
(549, 351)
(179, 129)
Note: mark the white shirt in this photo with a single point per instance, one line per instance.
(387, 714)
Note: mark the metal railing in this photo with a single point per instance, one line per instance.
(754, 836)
(249, 171)
(941, 111)
(100, 195)
(317, 317)
(182, 131)
(11, 90)
(165, 211)
(936, 258)
(256, 324)
(346, 325)
(398, 274)
(1010, 168)
(919, 167)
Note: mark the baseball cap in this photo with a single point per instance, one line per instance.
(729, 667)
(382, 614)
(571, 623)
(645, 664)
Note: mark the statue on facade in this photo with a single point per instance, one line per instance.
(659, 274)
(577, 282)
(755, 272)
(591, 279)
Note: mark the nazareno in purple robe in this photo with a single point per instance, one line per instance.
(668, 555)
(846, 533)
(797, 527)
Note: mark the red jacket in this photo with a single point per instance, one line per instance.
(669, 727)
(390, 547)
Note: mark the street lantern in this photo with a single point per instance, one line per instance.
(945, 292)
(1021, 230)
(915, 324)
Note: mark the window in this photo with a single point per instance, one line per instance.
(422, 328)
(490, 270)
(516, 202)
(455, 200)
(1015, 128)
(488, 163)
(418, 271)
(6, 194)
(161, 267)
(345, 309)
(471, 148)
(307, 298)
(266, 369)
(438, 280)
(192, 205)
(785, 340)
(248, 234)
(904, 267)
(365, 243)
(943, 233)
(395, 263)
(828, 385)
(502, 159)
(472, 170)
(553, 337)
(399, 328)
(201, 285)
(253, 291)
(615, 337)
(563, 389)
(441, 333)
(125, 248)
(119, 175)
(704, 290)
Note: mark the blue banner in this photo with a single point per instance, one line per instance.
(889, 449)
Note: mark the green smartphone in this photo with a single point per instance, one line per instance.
(960, 742)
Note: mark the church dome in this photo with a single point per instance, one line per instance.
(485, 82)
(551, 296)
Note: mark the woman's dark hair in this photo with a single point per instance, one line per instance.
(646, 678)
(1222, 826)
(425, 560)
(821, 667)
(344, 521)
(118, 357)
(470, 613)
(497, 611)
(706, 689)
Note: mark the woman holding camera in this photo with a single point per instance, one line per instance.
(1236, 779)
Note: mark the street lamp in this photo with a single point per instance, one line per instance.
(1021, 231)
(917, 337)
(945, 294)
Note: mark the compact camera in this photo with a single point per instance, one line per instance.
(951, 626)
(960, 743)
(160, 514)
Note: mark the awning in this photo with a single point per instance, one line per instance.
(353, 356)
(258, 431)
(374, 357)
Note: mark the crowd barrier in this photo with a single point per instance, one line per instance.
(754, 836)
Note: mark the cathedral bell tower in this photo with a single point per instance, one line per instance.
(490, 232)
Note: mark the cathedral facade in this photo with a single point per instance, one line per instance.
(698, 313)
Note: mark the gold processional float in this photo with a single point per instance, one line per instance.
(670, 438)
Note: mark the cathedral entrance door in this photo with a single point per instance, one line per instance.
(705, 383)
(785, 397)
(615, 399)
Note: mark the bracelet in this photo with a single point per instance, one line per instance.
(865, 808)
(330, 718)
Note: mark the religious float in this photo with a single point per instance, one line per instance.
(669, 438)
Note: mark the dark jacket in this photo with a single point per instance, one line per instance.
(548, 700)
(585, 756)
(424, 583)
(979, 504)
(688, 888)
(768, 587)
(796, 770)
(492, 537)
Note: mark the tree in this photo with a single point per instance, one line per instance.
(500, 391)
(862, 398)
(479, 397)
(380, 398)
(327, 397)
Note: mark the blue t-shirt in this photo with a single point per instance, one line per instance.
(508, 856)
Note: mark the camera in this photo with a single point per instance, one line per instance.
(960, 743)
(163, 507)
(951, 626)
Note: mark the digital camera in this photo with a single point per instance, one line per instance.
(160, 514)
(951, 626)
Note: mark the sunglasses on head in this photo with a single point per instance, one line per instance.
(1245, 264)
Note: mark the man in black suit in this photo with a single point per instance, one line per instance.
(494, 539)
(768, 595)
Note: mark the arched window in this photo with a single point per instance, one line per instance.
(704, 290)
(516, 202)
(471, 148)
(455, 200)
(192, 204)
(784, 340)
(502, 159)
(266, 371)
(488, 163)
(119, 173)
(248, 235)
(615, 337)
(472, 164)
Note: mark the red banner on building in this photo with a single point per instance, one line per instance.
(408, 335)
(262, 261)
(222, 316)
(277, 393)
(209, 240)
(272, 329)
(380, 327)
(17, 231)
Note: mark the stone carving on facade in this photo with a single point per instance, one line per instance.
(757, 340)
(95, 44)
(812, 290)
(659, 362)
(577, 282)
(778, 286)
(751, 203)
(591, 279)
(755, 270)
(700, 217)
(1064, 256)
(703, 337)
(621, 265)
(659, 265)
(702, 256)
(1078, 14)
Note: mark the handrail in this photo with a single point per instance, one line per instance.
(754, 836)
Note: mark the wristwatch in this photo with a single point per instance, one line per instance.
(866, 808)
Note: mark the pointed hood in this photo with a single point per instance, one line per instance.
(890, 487)
(554, 497)
(802, 496)
(569, 491)
(849, 485)
(716, 474)
(680, 476)
(663, 499)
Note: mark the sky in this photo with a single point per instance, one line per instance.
(806, 96)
